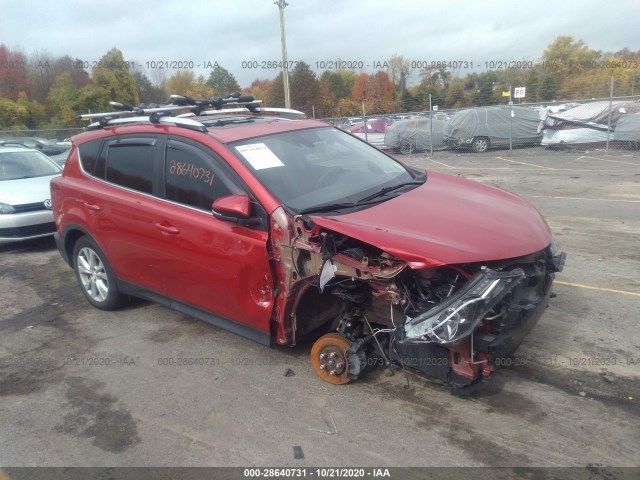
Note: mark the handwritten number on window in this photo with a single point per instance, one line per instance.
(186, 169)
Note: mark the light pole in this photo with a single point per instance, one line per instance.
(285, 70)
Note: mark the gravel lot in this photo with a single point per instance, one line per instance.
(82, 387)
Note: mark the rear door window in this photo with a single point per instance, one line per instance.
(133, 163)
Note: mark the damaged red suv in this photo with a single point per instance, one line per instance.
(282, 229)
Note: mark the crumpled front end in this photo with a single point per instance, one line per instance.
(460, 339)
(367, 307)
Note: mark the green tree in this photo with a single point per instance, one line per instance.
(341, 83)
(12, 115)
(222, 82)
(276, 96)
(65, 102)
(111, 81)
(304, 88)
(565, 59)
(147, 92)
(486, 89)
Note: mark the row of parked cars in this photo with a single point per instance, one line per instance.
(482, 128)
(27, 164)
(477, 129)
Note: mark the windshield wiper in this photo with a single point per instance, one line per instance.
(386, 190)
(328, 207)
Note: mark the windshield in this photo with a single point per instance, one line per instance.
(309, 168)
(25, 164)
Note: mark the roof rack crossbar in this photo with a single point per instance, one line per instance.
(255, 110)
(91, 116)
(161, 113)
(153, 118)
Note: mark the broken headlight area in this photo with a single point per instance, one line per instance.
(460, 340)
(460, 314)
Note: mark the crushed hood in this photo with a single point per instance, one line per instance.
(448, 220)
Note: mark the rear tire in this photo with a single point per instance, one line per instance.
(95, 276)
(480, 144)
(406, 147)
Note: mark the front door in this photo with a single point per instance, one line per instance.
(214, 265)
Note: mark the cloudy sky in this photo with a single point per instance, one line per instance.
(232, 32)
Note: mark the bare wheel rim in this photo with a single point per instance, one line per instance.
(93, 274)
(481, 145)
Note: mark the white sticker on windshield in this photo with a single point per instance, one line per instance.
(259, 156)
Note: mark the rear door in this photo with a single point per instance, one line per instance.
(131, 168)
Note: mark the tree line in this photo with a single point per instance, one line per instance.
(42, 91)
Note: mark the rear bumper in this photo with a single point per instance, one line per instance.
(60, 245)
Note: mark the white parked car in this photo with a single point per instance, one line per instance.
(25, 196)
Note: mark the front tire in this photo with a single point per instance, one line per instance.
(480, 144)
(95, 276)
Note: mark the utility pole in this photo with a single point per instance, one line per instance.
(285, 68)
(609, 120)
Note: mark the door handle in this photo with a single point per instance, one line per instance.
(166, 228)
(92, 206)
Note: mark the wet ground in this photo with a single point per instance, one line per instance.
(147, 386)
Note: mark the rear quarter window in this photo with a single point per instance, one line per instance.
(88, 153)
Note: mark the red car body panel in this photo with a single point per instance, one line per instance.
(448, 220)
(171, 249)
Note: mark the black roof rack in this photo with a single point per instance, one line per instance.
(163, 113)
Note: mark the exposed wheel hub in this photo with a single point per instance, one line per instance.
(330, 359)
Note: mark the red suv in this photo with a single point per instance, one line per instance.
(282, 228)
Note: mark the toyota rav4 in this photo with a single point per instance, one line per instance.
(283, 228)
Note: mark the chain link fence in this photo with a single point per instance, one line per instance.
(52, 134)
(570, 125)
(580, 124)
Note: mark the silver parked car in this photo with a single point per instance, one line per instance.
(25, 196)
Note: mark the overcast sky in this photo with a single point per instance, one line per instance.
(231, 32)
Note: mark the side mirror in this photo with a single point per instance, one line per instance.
(234, 208)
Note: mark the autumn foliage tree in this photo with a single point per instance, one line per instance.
(185, 82)
(41, 90)
(376, 91)
(13, 73)
(260, 89)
